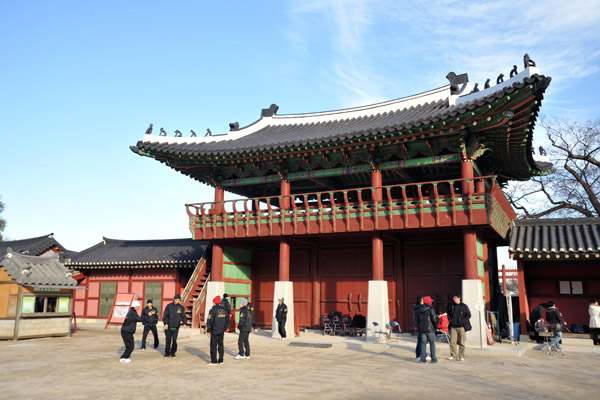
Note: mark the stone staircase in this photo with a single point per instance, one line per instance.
(193, 297)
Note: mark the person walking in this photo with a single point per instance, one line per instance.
(594, 311)
(216, 325)
(149, 320)
(128, 329)
(244, 327)
(427, 321)
(459, 316)
(281, 317)
(416, 306)
(556, 322)
(537, 314)
(173, 317)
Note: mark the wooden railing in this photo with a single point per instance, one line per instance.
(186, 296)
(407, 206)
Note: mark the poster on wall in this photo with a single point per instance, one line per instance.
(28, 304)
(63, 304)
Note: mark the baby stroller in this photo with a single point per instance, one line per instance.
(549, 348)
(327, 325)
(442, 328)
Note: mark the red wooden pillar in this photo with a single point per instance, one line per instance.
(470, 245)
(377, 256)
(217, 262)
(466, 172)
(284, 246)
(376, 183)
(377, 241)
(316, 287)
(217, 251)
(523, 302)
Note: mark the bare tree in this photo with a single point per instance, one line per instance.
(573, 188)
(2, 220)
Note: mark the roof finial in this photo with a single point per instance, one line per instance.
(269, 112)
(162, 132)
(234, 126)
(528, 62)
(177, 133)
(456, 80)
(208, 132)
(149, 130)
(193, 133)
(500, 79)
(513, 72)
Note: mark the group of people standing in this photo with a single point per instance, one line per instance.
(556, 322)
(217, 322)
(426, 324)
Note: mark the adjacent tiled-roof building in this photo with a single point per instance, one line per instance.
(36, 271)
(560, 238)
(151, 269)
(111, 253)
(37, 246)
(559, 260)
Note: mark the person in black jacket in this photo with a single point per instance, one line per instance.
(536, 315)
(427, 321)
(128, 329)
(149, 320)
(556, 322)
(281, 317)
(459, 316)
(173, 316)
(216, 325)
(416, 307)
(245, 325)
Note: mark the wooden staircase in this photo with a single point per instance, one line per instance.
(194, 295)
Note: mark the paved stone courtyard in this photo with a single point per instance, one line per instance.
(85, 366)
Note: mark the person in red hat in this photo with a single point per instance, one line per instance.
(216, 325)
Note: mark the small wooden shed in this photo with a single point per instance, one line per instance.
(36, 296)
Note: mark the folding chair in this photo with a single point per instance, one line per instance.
(395, 331)
(380, 335)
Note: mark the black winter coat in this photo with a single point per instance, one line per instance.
(459, 315)
(246, 320)
(131, 320)
(173, 315)
(218, 320)
(147, 319)
(281, 313)
(415, 312)
(225, 303)
(427, 319)
(555, 319)
(251, 309)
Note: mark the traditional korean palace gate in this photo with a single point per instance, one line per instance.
(361, 210)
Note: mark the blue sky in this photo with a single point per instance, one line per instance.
(81, 81)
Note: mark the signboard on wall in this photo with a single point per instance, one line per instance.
(120, 308)
(28, 304)
(63, 304)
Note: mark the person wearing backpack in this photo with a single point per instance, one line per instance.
(556, 322)
(536, 315)
(459, 316)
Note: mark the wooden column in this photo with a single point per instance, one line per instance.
(316, 287)
(217, 262)
(284, 259)
(470, 246)
(466, 172)
(217, 252)
(523, 302)
(377, 244)
(284, 246)
(376, 183)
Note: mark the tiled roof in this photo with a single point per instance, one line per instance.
(111, 253)
(34, 270)
(563, 238)
(33, 246)
(286, 131)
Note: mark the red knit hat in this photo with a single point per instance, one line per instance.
(217, 300)
(427, 300)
